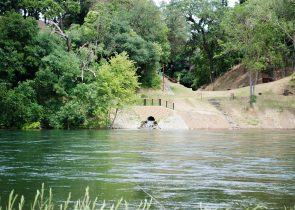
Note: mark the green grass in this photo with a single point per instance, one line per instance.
(45, 202)
(278, 102)
(265, 101)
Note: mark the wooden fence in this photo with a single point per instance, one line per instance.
(158, 102)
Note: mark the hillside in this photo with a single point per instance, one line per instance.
(216, 109)
(237, 77)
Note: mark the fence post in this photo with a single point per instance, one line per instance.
(173, 105)
(144, 102)
(166, 104)
(160, 102)
(152, 102)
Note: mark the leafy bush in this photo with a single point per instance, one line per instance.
(72, 114)
(202, 77)
(151, 80)
(31, 126)
(253, 99)
(187, 79)
(19, 105)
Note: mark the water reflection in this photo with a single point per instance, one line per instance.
(181, 169)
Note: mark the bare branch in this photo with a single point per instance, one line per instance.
(58, 29)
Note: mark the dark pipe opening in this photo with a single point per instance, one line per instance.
(151, 118)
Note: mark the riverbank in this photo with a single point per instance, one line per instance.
(216, 109)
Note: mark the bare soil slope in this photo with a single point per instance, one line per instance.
(238, 77)
(216, 109)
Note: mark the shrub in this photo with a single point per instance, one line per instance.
(31, 126)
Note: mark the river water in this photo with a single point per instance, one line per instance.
(181, 169)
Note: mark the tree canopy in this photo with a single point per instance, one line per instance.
(92, 55)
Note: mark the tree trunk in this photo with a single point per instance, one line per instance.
(69, 43)
(251, 88)
(112, 125)
(211, 66)
(25, 13)
(61, 23)
(82, 74)
(285, 66)
(255, 82)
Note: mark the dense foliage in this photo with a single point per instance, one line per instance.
(42, 82)
(207, 37)
(90, 58)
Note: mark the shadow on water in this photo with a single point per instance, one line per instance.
(180, 168)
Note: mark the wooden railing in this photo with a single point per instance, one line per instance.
(158, 102)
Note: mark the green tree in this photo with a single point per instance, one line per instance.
(195, 37)
(146, 20)
(8, 5)
(204, 18)
(147, 56)
(258, 40)
(18, 48)
(179, 29)
(70, 9)
(97, 23)
(91, 104)
(111, 27)
(66, 67)
(58, 75)
(117, 83)
(282, 14)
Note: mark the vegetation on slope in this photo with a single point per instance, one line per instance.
(93, 55)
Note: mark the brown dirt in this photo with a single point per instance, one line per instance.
(238, 77)
(193, 110)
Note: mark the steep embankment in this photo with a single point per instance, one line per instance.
(216, 109)
(237, 77)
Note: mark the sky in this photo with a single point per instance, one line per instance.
(230, 2)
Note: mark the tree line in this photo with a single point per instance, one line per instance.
(93, 55)
(209, 37)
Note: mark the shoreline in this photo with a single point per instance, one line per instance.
(210, 120)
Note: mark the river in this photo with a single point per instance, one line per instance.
(181, 169)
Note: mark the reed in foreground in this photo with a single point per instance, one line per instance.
(45, 202)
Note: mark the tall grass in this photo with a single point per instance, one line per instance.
(45, 202)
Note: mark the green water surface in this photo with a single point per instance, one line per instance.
(181, 169)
